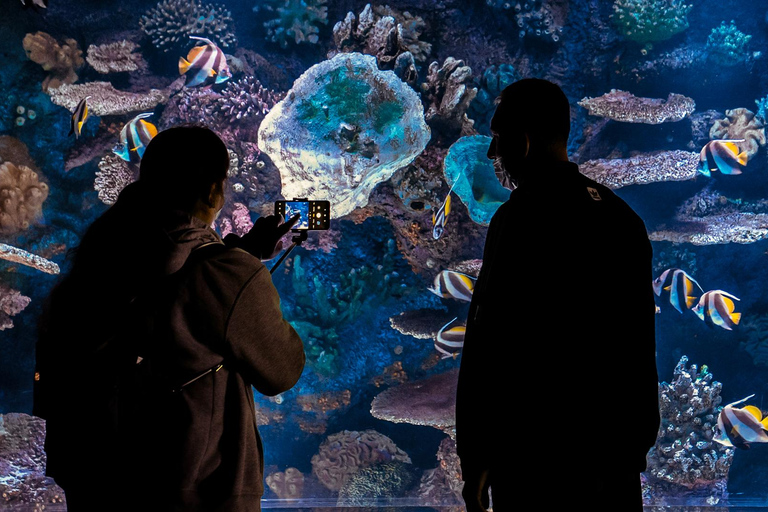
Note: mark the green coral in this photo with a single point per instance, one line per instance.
(297, 20)
(648, 21)
(727, 45)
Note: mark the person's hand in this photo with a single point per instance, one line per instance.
(263, 240)
(475, 492)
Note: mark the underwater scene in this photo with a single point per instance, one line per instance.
(383, 109)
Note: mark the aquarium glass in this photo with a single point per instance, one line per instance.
(383, 109)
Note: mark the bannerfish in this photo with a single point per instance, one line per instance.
(740, 427)
(680, 287)
(450, 339)
(453, 285)
(723, 156)
(205, 64)
(716, 307)
(79, 117)
(134, 138)
(439, 218)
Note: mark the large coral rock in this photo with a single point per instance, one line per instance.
(60, 60)
(344, 127)
(21, 197)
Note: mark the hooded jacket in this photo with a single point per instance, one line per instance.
(202, 451)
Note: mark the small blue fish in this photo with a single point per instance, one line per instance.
(205, 64)
(716, 307)
(450, 339)
(723, 156)
(453, 285)
(679, 285)
(134, 138)
(79, 116)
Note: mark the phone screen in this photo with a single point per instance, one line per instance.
(300, 207)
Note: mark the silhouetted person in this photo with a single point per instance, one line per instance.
(557, 401)
(210, 303)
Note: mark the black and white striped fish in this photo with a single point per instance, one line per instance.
(450, 339)
(453, 285)
(205, 64)
(79, 117)
(134, 138)
(679, 285)
(740, 427)
(723, 156)
(716, 307)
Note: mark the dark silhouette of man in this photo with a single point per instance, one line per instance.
(216, 331)
(557, 400)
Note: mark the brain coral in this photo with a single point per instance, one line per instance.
(740, 123)
(344, 127)
(342, 455)
(467, 165)
(21, 197)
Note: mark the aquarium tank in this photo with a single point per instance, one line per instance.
(383, 109)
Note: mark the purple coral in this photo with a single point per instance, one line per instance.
(245, 100)
(12, 302)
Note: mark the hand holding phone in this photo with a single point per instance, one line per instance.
(263, 240)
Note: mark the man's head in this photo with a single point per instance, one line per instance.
(532, 121)
(186, 166)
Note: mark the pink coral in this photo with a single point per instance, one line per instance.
(12, 302)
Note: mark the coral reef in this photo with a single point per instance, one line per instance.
(117, 57)
(344, 127)
(740, 123)
(648, 21)
(473, 178)
(727, 45)
(685, 459)
(288, 484)
(343, 454)
(22, 463)
(12, 302)
(418, 187)
(170, 23)
(245, 100)
(22, 257)
(60, 60)
(387, 480)
(113, 176)
(736, 227)
(642, 169)
(628, 108)
(533, 19)
(297, 20)
(445, 480)
(22, 193)
(430, 402)
(422, 324)
(448, 93)
(494, 80)
(105, 100)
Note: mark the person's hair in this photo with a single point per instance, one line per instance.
(536, 106)
(181, 163)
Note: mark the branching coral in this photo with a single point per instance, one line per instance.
(341, 455)
(21, 198)
(448, 91)
(60, 60)
(626, 107)
(105, 100)
(642, 169)
(245, 100)
(532, 17)
(297, 20)
(12, 302)
(114, 57)
(727, 45)
(740, 123)
(113, 176)
(685, 458)
(171, 22)
(382, 481)
(648, 21)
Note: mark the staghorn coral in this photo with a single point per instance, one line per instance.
(245, 100)
(288, 484)
(344, 127)
(685, 459)
(22, 257)
(113, 176)
(60, 60)
(628, 108)
(343, 454)
(648, 21)
(12, 302)
(21, 198)
(727, 45)
(105, 100)
(384, 481)
(448, 91)
(445, 480)
(170, 23)
(114, 57)
(740, 123)
(296, 20)
(642, 169)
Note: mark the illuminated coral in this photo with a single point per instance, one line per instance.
(648, 21)
(22, 257)
(383, 481)
(341, 455)
(288, 485)
(113, 176)
(245, 100)
(170, 23)
(344, 127)
(740, 123)
(448, 91)
(12, 302)
(685, 459)
(60, 60)
(727, 45)
(114, 57)
(21, 198)
(642, 169)
(297, 20)
(628, 108)
(105, 100)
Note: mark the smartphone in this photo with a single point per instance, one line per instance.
(314, 214)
